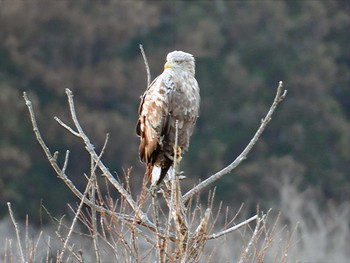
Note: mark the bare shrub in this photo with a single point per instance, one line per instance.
(162, 225)
(293, 235)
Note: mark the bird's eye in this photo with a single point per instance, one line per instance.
(177, 61)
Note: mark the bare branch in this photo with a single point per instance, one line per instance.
(199, 238)
(37, 244)
(231, 229)
(144, 221)
(91, 149)
(17, 232)
(213, 178)
(175, 204)
(64, 168)
(94, 186)
(51, 159)
(253, 238)
(66, 127)
(75, 219)
(77, 213)
(146, 65)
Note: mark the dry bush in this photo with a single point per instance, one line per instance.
(162, 225)
(294, 237)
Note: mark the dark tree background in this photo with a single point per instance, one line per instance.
(242, 48)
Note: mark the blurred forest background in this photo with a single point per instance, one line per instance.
(242, 50)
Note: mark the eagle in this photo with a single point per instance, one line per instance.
(173, 97)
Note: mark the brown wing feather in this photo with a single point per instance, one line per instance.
(153, 116)
(174, 95)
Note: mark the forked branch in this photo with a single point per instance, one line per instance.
(91, 149)
(141, 218)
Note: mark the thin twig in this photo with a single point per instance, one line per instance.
(146, 65)
(93, 210)
(65, 162)
(66, 127)
(76, 255)
(75, 219)
(253, 238)
(197, 241)
(27, 240)
(93, 213)
(37, 244)
(158, 244)
(48, 248)
(233, 228)
(17, 232)
(213, 178)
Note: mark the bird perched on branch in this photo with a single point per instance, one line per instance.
(172, 97)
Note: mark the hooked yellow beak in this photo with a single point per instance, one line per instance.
(167, 65)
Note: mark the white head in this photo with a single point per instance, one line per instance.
(180, 60)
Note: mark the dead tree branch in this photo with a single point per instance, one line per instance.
(234, 228)
(19, 245)
(265, 121)
(91, 149)
(146, 65)
(141, 220)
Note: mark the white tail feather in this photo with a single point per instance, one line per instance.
(155, 174)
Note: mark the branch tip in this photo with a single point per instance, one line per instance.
(69, 92)
(146, 65)
(284, 94)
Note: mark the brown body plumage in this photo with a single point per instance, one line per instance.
(173, 95)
